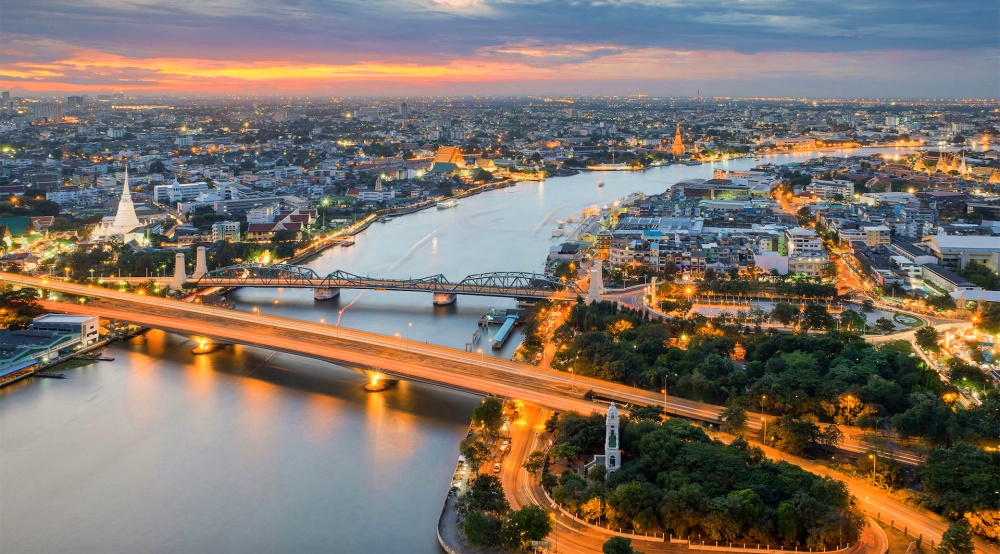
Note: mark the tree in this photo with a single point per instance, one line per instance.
(481, 530)
(485, 494)
(957, 540)
(784, 313)
(815, 316)
(535, 461)
(567, 451)
(618, 545)
(885, 325)
(489, 414)
(852, 320)
(927, 338)
(734, 420)
(475, 451)
(530, 523)
(156, 167)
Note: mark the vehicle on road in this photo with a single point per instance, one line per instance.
(496, 467)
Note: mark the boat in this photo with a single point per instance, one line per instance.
(558, 233)
(347, 243)
(447, 204)
(692, 162)
(600, 183)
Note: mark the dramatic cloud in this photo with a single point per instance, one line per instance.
(852, 47)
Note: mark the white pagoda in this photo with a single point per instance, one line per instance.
(123, 222)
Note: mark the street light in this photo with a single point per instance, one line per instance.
(665, 395)
(762, 418)
(874, 458)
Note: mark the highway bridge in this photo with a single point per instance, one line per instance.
(509, 284)
(393, 356)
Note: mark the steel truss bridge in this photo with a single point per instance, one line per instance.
(510, 284)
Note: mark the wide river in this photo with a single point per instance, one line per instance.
(244, 450)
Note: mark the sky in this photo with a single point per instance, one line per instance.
(801, 48)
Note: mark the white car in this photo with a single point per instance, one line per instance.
(496, 467)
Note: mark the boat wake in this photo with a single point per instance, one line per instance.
(547, 218)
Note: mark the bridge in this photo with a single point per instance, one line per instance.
(509, 284)
(393, 356)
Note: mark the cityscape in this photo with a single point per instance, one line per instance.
(481, 277)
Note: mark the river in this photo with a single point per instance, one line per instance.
(245, 450)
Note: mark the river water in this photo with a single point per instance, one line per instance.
(245, 450)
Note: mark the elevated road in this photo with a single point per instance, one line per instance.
(393, 356)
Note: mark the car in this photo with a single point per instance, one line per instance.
(496, 467)
(505, 445)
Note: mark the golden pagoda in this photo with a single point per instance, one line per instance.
(678, 148)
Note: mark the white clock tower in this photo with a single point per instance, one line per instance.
(612, 449)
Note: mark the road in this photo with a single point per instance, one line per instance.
(393, 356)
(525, 489)
(876, 502)
(415, 361)
(567, 535)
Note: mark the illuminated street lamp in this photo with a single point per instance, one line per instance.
(874, 464)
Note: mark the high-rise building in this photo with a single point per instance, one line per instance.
(5, 100)
(47, 111)
(74, 102)
(404, 111)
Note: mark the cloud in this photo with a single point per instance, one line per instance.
(426, 42)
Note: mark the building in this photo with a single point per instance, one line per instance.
(677, 149)
(612, 458)
(86, 327)
(46, 112)
(879, 234)
(179, 192)
(447, 160)
(946, 280)
(828, 190)
(911, 252)
(228, 231)
(124, 222)
(809, 263)
(47, 338)
(957, 251)
(801, 239)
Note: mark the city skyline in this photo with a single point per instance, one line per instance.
(426, 47)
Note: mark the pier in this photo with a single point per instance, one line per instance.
(504, 333)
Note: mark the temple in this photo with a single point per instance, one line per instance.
(123, 223)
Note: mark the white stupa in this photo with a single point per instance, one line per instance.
(124, 220)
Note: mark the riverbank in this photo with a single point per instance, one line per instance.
(77, 355)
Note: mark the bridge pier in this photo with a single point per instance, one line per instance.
(444, 298)
(596, 282)
(326, 293)
(201, 265)
(177, 283)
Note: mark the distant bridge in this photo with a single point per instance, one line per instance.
(509, 284)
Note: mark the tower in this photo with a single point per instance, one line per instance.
(124, 219)
(180, 277)
(678, 148)
(963, 169)
(612, 450)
